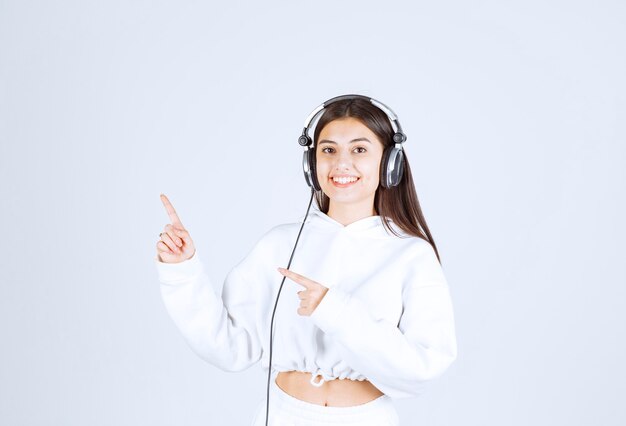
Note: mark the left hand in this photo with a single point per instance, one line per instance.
(311, 296)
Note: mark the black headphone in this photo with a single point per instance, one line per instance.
(392, 163)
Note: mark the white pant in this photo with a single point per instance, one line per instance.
(286, 410)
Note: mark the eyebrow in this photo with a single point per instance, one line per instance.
(352, 141)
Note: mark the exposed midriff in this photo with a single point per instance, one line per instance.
(332, 393)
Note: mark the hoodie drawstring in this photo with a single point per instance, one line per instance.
(321, 381)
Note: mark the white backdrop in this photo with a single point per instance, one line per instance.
(514, 113)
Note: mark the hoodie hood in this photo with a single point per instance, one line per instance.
(371, 226)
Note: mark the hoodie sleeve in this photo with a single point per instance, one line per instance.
(399, 359)
(220, 330)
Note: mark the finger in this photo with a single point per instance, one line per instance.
(168, 241)
(162, 247)
(181, 233)
(296, 277)
(174, 235)
(170, 211)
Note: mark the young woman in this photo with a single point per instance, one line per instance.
(366, 313)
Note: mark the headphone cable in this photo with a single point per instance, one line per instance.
(269, 369)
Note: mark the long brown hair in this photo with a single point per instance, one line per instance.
(398, 203)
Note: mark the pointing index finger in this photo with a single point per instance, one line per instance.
(297, 278)
(171, 212)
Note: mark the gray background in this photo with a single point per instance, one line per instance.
(514, 113)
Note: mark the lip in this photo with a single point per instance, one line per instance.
(343, 185)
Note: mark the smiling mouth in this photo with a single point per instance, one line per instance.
(343, 182)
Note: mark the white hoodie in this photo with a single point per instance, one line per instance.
(387, 316)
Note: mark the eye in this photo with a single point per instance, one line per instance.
(363, 150)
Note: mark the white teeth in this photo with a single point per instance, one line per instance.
(343, 180)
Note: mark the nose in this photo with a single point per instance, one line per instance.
(343, 161)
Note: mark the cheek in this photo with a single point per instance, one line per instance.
(372, 169)
(322, 171)
(321, 167)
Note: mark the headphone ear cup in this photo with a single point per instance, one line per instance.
(384, 161)
(392, 167)
(308, 166)
(398, 160)
(313, 169)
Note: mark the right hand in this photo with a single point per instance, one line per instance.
(175, 245)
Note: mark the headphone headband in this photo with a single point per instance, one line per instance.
(398, 137)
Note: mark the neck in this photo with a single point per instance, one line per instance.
(349, 213)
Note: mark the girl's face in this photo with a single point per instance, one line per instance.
(348, 164)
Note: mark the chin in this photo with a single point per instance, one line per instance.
(345, 198)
